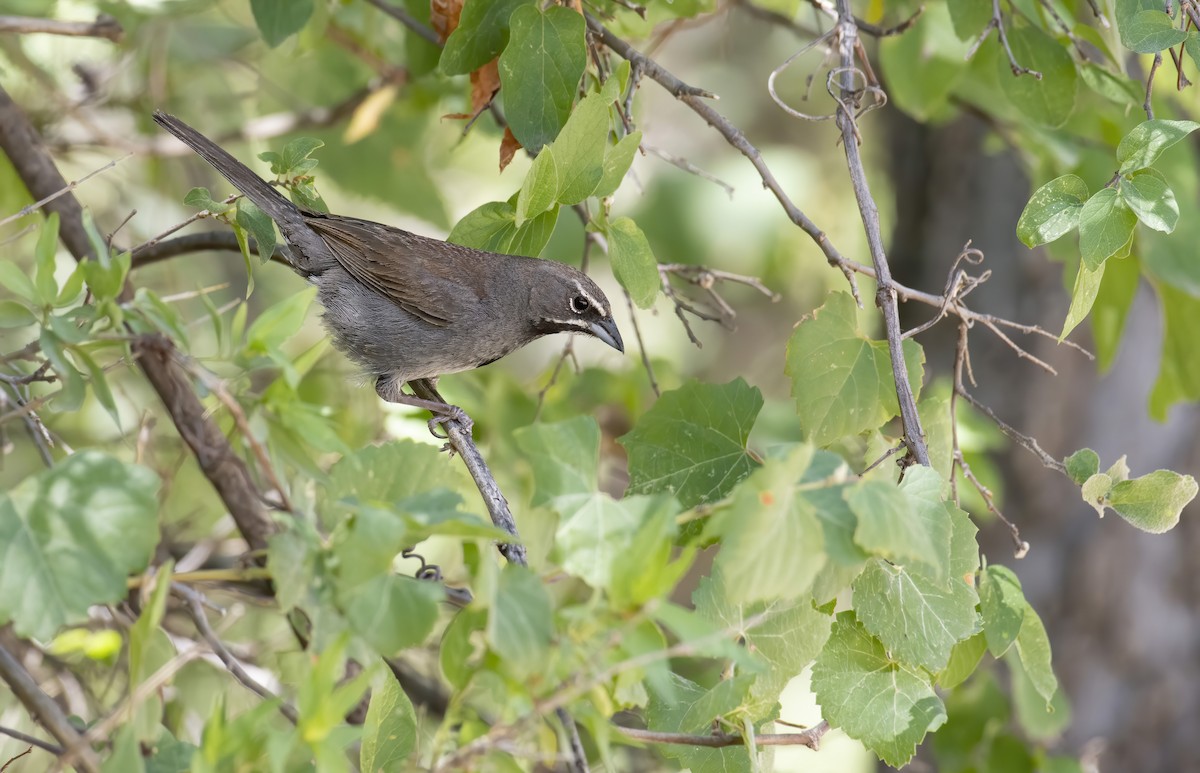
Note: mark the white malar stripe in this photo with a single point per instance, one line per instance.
(591, 300)
(574, 322)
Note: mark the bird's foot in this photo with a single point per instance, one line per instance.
(445, 415)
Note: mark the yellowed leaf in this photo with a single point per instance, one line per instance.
(366, 117)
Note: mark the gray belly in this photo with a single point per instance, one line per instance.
(383, 338)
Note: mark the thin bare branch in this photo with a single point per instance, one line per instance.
(62, 191)
(195, 604)
(104, 26)
(637, 332)
(47, 713)
(689, 167)
(810, 738)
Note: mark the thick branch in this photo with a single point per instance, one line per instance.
(103, 27)
(46, 712)
(223, 468)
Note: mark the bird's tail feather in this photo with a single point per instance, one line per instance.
(287, 215)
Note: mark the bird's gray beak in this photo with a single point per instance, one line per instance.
(606, 331)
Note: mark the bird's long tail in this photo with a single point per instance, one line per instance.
(307, 245)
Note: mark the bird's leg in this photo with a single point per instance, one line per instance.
(389, 389)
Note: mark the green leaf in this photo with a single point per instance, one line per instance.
(14, 279)
(1003, 605)
(642, 569)
(278, 19)
(14, 314)
(1053, 210)
(906, 523)
(580, 148)
(1087, 287)
(1114, 87)
(1082, 465)
(150, 649)
(1179, 371)
(918, 619)
(785, 642)
(969, 17)
(692, 443)
(1033, 647)
(1142, 146)
(280, 322)
(1148, 32)
(633, 261)
(261, 227)
(564, 457)
(1153, 502)
(540, 188)
(842, 381)
(70, 536)
(493, 227)
(1041, 720)
(886, 705)
(200, 198)
(596, 529)
(73, 385)
(295, 156)
(1151, 199)
(923, 65)
(520, 623)
(482, 33)
(99, 384)
(964, 659)
(390, 729)
(1050, 100)
(540, 71)
(1111, 308)
(390, 612)
(46, 254)
(1105, 227)
(770, 546)
(689, 708)
(369, 475)
(617, 161)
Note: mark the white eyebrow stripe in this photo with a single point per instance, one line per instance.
(603, 309)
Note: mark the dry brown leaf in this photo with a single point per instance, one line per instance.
(443, 16)
(485, 82)
(508, 148)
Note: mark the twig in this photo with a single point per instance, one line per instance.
(1030, 444)
(810, 737)
(884, 457)
(104, 26)
(42, 708)
(493, 498)
(61, 191)
(885, 295)
(1017, 68)
(158, 249)
(962, 360)
(867, 28)
(29, 739)
(689, 167)
(637, 332)
(1066, 29)
(217, 387)
(1150, 86)
(195, 604)
(408, 20)
(568, 351)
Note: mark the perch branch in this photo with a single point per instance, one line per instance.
(47, 713)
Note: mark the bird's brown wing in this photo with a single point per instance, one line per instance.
(425, 277)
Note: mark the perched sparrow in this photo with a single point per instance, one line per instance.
(408, 307)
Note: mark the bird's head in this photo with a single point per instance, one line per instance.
(563, 299)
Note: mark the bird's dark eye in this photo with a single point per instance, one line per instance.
(579, 304)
